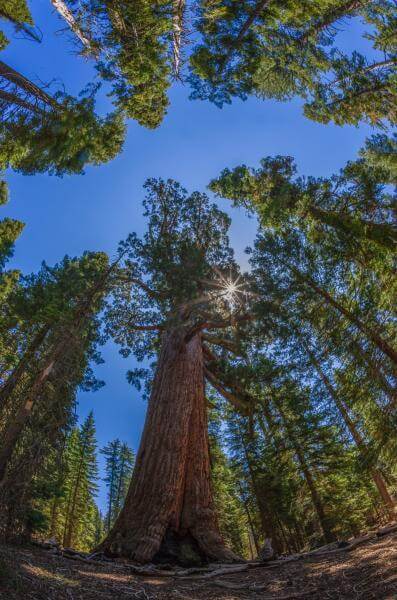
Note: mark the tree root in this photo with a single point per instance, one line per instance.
(215, 570)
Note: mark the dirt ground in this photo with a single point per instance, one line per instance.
(367, 572)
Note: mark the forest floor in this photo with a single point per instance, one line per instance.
(369, 571)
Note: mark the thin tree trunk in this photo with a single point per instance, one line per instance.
(22, 82)
(111, 500)
(249, 518)
(14, 99)
(70, 517)
(13, 430)
(269, 529)
(169, 510)
(177, 33)
(9, 386)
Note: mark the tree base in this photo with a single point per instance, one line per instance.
(181, 550)
(176, 548)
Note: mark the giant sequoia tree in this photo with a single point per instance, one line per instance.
(177, 296)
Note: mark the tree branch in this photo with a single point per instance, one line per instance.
(146, 327)
(218, 341)
(217, 385)
(230, 322)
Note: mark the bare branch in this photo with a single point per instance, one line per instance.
(14, 99)
(13, 76)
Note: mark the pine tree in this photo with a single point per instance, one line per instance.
(81, 482)
(112, 456)
(131, 47)
(59, 135)
(279, 51)
(126, 465)
(49, 309)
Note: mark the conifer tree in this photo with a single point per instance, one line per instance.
(57, 305)
(278, 50)
(81, 485)
(17, 13)
(57, 134)
(112, 454)
(131, 47)
(119, 464)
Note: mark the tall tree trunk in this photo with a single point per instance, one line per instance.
(177, 34)
(16, 424)
(169, 511)
(8, 387)
(315, 496)
(249, 519)
(70, 521)
(356, 435)
(376, 339)
(267, 517)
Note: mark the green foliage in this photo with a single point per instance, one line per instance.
(18, 13)
(131, 48)
(278, 50)
(119, 464)
(41, 310)
(355, 205)
(80, 487)
(63, 141)
(17, 10)
(185, 240)
(231, 514)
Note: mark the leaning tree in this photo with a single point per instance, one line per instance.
(179, 290)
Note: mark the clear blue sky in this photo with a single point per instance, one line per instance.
(94, 211)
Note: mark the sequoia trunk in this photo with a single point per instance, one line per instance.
(169, 512)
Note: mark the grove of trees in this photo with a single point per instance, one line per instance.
(271, 393)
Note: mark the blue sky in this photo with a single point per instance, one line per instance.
(96, 210)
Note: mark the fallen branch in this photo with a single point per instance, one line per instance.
(259, 588)
(225, 570)
(385, 530)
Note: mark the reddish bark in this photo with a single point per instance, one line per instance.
(169, 511)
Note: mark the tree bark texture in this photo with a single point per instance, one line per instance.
(169, 511)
